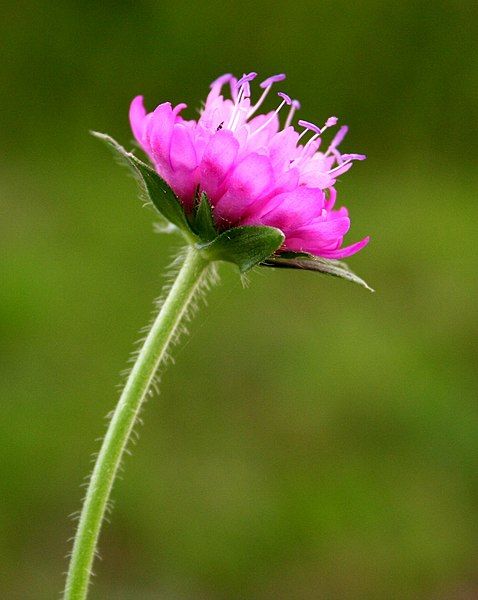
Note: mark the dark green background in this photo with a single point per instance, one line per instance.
(313, 441)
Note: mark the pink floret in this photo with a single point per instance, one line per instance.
(253, 170)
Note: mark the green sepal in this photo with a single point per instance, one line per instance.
(244, 246)
(309, 262)
(156, 189)
(203, 223)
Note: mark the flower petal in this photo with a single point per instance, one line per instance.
(137, 114)
(158, 133)
(347, 251)
(291, 210)
(219, 156)
(252, 177)
(182, 153)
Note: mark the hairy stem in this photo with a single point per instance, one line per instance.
(191, 277)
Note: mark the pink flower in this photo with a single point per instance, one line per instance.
(253, 170)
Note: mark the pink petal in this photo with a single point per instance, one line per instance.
(137, 114)
(339, 136)
(282, 147)
(334, 228)
(251, 178)
(158, 133)
(347, 251)
(292, 210)
(218, 158)
(184, 184)
(182, 154)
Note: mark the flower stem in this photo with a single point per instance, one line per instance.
(192, 275)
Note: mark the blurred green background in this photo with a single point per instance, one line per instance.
(313, 441)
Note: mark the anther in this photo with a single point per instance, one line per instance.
(271, 80)
(347, 157)
(285, 98)
(310, 127)
(246, 78)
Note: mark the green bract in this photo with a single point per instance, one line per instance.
(309, 262)
(156, 190)
(203, 220)
(244, 246)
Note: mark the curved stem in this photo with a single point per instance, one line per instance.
(188, 281)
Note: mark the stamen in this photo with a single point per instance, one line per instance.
(271, 80)
(244, 94)
(285, 97)
(246, 90)
(331, 121)
(246, 78)
(310, 126)
(266, 86)
(259, 102)
(285, 100)
(346, 164)
(294, 106)
(339, 169)
(241, 107)
(348, 157)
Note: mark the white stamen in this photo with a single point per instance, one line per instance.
(242, 105)
(303, 133)
(270, 119)
(339, 167)
(345, 159)
(232, 120)
(293, 107)
(259, 102)
(244, 94)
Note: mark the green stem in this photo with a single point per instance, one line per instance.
(188, 281)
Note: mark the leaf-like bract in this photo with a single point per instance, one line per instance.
(244, 246)
(156, 189)
(203, 220)
(308, 262)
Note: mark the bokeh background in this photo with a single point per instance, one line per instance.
(313, 441)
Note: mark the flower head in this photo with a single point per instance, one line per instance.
(253, 170)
